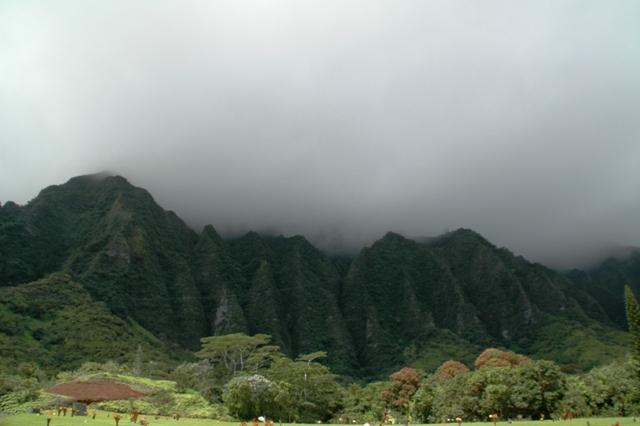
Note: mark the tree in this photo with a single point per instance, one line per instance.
(489, 391)
(575, 402)
(247, 397)
(364, 403)
(404, 383)
(492, 357)
(309, 358)
(138, 363)
(450, 398)
(263, 357)
(610, 390)
(450, 369)
(530, 388)
(539, 386)
(286, 401)
(236, 352)
(422, 402)
(199, 376)
(633, 319)
(316, 394)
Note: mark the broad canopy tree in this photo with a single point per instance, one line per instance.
(285, 389)
(315, 393)
(238, 352)
(247, 397)
(530, 388)
(493, 357)
(450, 369)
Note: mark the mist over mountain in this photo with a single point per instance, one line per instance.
(373, 184)
(99, 241)
(339, 121)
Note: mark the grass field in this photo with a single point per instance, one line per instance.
(103, 419)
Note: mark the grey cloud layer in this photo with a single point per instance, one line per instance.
(338, 120)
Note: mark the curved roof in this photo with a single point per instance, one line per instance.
(95, 390)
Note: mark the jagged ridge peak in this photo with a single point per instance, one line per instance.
(84, 182)
(461, 235)
(210, 232)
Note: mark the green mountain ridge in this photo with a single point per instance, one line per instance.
(397, 302)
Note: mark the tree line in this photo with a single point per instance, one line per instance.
(247, 376)
(504, 384)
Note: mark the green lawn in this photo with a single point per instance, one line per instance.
(104, 419)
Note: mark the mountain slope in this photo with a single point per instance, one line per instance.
(400, 293)
(146, 264)
(397, 302)
(55, 323)
(120, 245)
(293, 295)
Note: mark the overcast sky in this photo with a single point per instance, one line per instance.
(339, 120)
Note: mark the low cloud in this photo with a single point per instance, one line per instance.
(339, 120)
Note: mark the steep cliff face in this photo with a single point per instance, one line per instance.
(120, 245)
(397, 292)
(220, 282)
(400, 293)
(146, 264)
(399, 301)
(292, 295)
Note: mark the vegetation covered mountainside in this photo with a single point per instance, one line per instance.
(55, 323)
(122, 265)
(606, 282)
